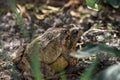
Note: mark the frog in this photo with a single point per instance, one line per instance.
(55, 45)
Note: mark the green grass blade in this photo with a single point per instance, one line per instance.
(63, 76)
(35, 64)
(89, 71)
(19, 20)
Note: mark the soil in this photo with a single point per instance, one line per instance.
(11, 37)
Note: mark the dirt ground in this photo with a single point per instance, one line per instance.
(37, 21)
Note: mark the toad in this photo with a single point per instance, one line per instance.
(55, 45)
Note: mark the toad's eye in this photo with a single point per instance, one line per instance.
(73, 35)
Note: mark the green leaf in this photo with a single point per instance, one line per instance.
(113, 3)
(93, 4)
(93, 49)
(111, 73)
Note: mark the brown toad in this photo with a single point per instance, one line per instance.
(55, 46)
